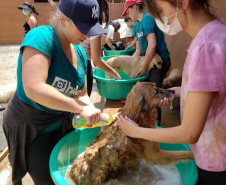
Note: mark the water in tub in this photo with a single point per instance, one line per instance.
(145, 174)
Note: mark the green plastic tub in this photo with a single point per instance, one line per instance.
(74, 143)
(115, 89)
(129, 51)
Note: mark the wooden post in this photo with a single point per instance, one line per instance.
(4, 153)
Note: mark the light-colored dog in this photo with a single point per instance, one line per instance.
(131, 64)
(173, 80)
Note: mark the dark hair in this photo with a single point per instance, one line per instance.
(104, 11)
(195, 5)
(127, 19)
(31, 6)
(115, 24)
(34, 10)
(139, 5)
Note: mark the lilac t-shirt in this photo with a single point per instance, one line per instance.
(205, 70)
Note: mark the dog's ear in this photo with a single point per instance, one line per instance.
(144, 104)
(141, 105)
(133, 106)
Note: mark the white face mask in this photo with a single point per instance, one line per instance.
(26, 12)
(170, 29)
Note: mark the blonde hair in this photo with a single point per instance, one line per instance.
(55, 17)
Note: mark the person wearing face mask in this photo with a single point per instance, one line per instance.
(203, 90)
(150, 40)
(31, 22)
(51, 87)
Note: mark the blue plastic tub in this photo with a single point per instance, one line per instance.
(74, 143)
(129, 51)
(115, 89)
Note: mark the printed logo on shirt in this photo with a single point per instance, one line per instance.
(95, 12)
(65, 87)
(140, 34)
(60, 84)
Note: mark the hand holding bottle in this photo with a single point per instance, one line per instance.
(80, 122)
(91, 114)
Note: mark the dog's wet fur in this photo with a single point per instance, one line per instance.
(113, 150)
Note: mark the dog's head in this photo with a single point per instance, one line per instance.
(156, 62)
(142, 101)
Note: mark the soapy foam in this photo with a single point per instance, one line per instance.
(145, 174)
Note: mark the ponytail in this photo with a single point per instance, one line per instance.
(203, 3)
(33, 9)
(104, 11)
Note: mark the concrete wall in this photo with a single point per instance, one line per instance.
(12, 20)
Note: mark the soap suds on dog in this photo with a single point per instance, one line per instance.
(145, 174)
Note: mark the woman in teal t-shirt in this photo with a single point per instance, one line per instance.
(150, 40)
(51, 86)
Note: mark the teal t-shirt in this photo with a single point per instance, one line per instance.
(62, 75)
(147, 26)
(134, 29)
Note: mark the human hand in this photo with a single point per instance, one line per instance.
(113, 47)
(91, 114)
(127, 47)
(142, 71)
(128, 126)
(116, 75)
(128, 43)
(166, 101)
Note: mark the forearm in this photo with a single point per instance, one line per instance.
(131, 44)
(104, 66)
(95, 47)
(137, 53)
(48, 96)
(148, 56)
(85, 99)
(166, 135)
(108, 41)
(177, 91)
(138, 50)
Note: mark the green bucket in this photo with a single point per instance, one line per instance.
(74, 143)
(129, 51)
(115, 89)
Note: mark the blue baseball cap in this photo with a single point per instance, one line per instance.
(84, 14)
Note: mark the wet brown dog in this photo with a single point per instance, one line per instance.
(113, 150)
(130, 64)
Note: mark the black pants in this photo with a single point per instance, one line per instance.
(211, 178)
(157, 76)
(89, 77)
(38, 155)
(106, 47)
